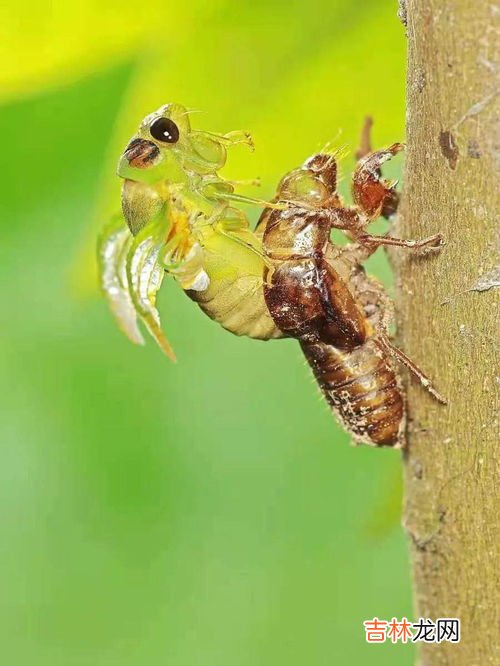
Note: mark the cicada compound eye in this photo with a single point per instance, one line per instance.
(164, 130)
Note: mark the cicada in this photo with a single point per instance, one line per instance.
(285, 278)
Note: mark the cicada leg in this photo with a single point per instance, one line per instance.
(245, 182)
(385, 189)
(352, 223)
(384, 342)
(369, 189)
(378, 308)
(233, 138)
(251, 201)
(375, 196)
(434, 242)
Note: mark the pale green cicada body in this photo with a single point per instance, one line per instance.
(179, 218)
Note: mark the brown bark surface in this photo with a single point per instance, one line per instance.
(449, 322)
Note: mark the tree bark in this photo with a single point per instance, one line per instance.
(448, 324)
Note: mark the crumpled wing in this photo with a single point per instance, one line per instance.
(130, 275)
(112, 247)
(145, 274)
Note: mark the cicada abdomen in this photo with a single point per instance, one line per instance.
(319, 294)
(362, 387)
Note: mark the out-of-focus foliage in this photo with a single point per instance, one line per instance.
(44, 45)
(209, 512)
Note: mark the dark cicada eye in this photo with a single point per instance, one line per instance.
(164, 130)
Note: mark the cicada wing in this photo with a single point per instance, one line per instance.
(131, 273)
(145, 272)
(113, 246)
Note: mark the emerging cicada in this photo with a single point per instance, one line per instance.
(285, 279)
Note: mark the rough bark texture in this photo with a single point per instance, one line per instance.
(448, 322)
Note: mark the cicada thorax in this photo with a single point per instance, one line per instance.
(322, 298)
(304, 293)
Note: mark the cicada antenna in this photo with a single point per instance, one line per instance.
(341, 152)
(327, 148)
(188, 112)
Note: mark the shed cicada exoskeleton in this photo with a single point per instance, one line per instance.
(284, 279)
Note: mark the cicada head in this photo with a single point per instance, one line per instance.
(166, 148)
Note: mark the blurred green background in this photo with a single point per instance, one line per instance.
(207, 513)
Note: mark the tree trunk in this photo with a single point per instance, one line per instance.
(448, 324)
